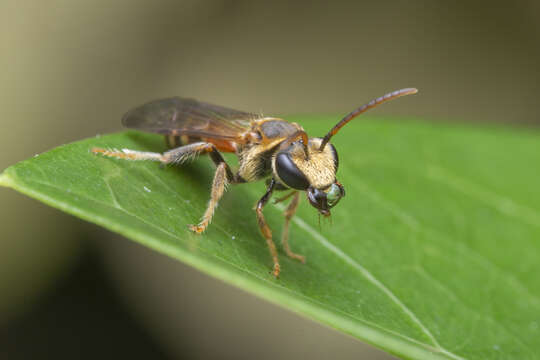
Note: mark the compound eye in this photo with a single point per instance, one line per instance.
(289, 173)
(334, 194)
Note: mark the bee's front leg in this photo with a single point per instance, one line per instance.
(265, 229)
(289, 213)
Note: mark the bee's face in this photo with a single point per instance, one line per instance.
(315, 174)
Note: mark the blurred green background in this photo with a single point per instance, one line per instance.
(70, 69)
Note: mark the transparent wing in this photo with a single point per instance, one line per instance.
(180, 116)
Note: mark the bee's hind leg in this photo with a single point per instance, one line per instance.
(289, 213)
(222, 177)
(175, 156)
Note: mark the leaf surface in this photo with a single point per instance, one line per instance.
(433, 253)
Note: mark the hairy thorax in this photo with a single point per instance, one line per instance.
(266, 134)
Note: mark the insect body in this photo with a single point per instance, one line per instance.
(267, 148)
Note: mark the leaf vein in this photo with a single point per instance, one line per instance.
(371, 278)
(471, 253)
(456, 298)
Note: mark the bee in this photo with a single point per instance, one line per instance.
(267, 148)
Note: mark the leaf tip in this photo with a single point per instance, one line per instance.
(5, 179)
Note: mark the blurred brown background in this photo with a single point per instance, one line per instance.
(70, 69)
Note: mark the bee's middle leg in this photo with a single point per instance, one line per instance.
(289, 213)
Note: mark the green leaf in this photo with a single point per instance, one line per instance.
(433, 253)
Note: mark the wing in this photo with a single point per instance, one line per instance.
(180, 116)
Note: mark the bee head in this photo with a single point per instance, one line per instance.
(314, 173)
(313, 167)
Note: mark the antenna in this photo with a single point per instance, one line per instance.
(373, 103)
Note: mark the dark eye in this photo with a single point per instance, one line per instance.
(289, 173)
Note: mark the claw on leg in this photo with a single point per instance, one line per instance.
(197, 229)
(276, 270)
